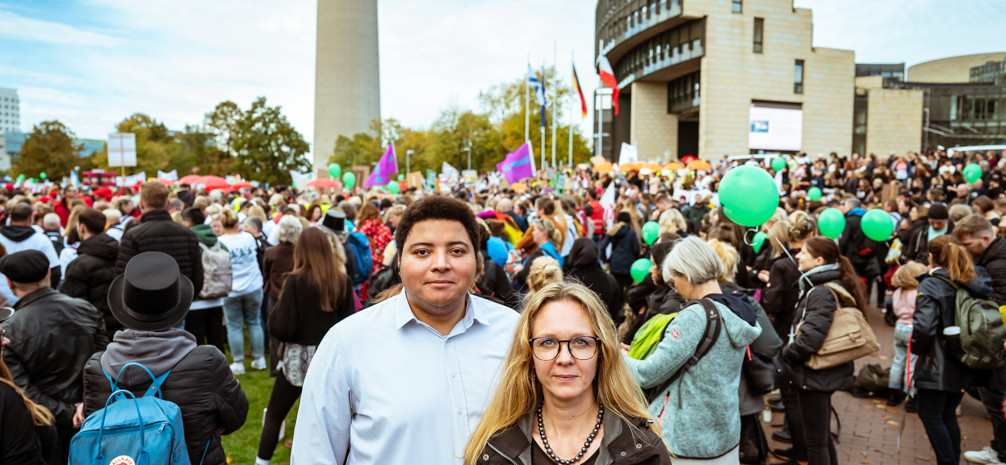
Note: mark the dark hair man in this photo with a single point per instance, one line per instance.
(90, 274)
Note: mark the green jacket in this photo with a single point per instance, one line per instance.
(702, 419)
(204, 233)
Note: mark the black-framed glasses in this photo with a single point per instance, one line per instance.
(580, 347)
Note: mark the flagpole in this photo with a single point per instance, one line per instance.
(555, 95)
(542, 82)
(572, 108)
(527, 120)
(600, 116)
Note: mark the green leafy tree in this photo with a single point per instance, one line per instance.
(50, 148)
(265, 146)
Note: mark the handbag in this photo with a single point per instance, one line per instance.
(295, 361)
(849, 338)
(759, 373)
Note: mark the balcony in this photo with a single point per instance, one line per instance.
(623, 24)
(668, 49)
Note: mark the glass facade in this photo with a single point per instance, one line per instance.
(683, 93)
(798, 77)
(620, 20)
(960, 114)
(759, 34)
(886, 70)
(992, 72)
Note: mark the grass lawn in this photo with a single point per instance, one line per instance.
(242, 445)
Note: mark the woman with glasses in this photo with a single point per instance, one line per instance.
(697, 402)
(565, 395)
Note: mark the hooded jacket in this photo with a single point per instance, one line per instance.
(624, 248)
(582, 264)
(200, 383)
(994, 262)
(16, 238)
(917, 248)
(766, 345)
(89, 276)
(702, 419)
(816, 310)
(935, 309)
(623, 443)
(781, 293)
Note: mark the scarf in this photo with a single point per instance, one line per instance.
(934, 233)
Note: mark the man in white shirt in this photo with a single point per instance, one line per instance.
(407, 381)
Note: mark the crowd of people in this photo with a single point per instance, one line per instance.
(483, 325)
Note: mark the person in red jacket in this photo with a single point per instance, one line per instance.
(62, 206)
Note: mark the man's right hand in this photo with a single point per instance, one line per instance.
(78, 417)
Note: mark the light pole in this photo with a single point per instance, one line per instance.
(408, 153)
(469, 150)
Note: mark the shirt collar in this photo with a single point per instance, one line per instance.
(474, 311)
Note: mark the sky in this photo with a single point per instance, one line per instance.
(91, 63)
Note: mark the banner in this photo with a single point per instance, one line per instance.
(627, 154)
(386, 167)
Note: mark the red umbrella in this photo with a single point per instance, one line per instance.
(324, 183)
(191, 179)
(241, 185)
(166, 182)
(215, 182)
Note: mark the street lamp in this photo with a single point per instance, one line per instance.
(469, 150)
(408, 153)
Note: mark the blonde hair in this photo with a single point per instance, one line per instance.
(519, 392)
(40, 415)
(544, 271)
(801, 225)
(554, 234)
(672, 221)
(904, 278)
(728, 255)
(228, 218)
(778, 236)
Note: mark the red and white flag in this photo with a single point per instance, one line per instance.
(608, 79)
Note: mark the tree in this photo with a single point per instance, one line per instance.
(50, 148)
(266, 146)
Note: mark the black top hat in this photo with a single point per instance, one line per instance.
(334, 221)
(152, 294)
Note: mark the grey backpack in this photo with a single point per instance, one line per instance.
(217, 274)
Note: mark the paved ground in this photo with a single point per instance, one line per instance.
(870, 427)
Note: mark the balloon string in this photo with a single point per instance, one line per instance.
(748, 242)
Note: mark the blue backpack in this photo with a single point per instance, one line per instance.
(132, 431)
(361, 247)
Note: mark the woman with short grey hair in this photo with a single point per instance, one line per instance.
(696, 402)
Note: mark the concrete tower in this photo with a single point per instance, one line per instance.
(347, 93)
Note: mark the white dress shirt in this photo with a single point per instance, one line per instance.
(385, 388)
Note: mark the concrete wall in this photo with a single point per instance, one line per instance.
(893, 121)
(733, 75)
(347, 79)
(950, 70)
(654, 131)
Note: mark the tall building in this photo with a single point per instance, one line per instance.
(723, 77)
(347, 94)
(10, 111)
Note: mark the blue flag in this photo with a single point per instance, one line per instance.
(539, 91)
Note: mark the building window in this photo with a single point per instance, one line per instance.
(735, 6)
(798, 77)
(759, 34)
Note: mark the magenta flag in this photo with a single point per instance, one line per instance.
(385, 168)
(517, 165)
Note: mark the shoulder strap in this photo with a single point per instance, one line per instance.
(709, 336)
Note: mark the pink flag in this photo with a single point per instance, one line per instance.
(385, 168)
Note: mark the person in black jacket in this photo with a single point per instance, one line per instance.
(51, 336)
(27, 434)
(200, 383)
(988, 251)
(157, 232)
(938, 223)
(652, 296)
(861, 251)
(90, 274)
(827, 278)
(316, 295)
(624, 248)
(582, 264)
(939, 375)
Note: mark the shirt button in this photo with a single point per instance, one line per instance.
(485, 457)
(454, 374)
(623, 453)
(639, 446)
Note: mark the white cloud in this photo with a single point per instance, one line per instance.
(21, 28)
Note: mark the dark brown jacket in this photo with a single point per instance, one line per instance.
(278, 262)
(623, 444)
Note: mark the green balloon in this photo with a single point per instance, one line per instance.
(972, 173)
(401, 177)
(877, 225)
(335, 170)
(778, 163)
(640, 268)
(758, 241)
(748, 196)
(349, 179)
(831, 223)
(20, 177)
(393, 187)
(651, 230)
(42, 175)
(814, 194)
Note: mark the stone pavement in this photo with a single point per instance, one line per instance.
(870, 427)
